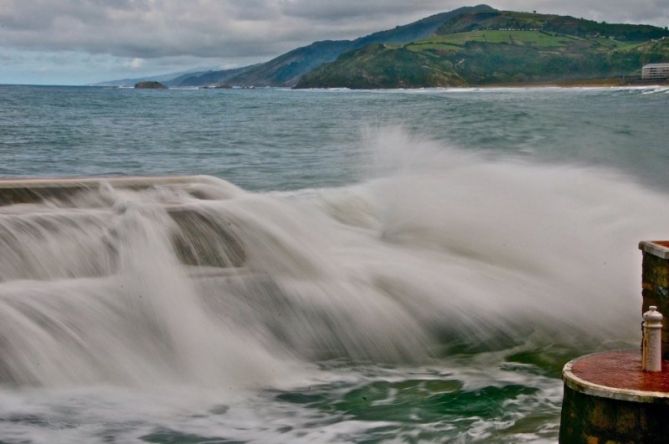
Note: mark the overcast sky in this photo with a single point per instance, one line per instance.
(85, 41)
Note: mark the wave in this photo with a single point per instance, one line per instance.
(211, 284)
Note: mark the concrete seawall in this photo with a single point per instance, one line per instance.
(199, 237)
(13, 191)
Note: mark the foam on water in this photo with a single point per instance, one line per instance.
(446, 242)
(212, 288)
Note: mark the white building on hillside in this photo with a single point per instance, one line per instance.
(655, 71)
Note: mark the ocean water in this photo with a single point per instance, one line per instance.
(348, 266)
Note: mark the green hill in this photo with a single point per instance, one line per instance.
(497, 47)
(288, 68)
(474, 45)
(493, 19)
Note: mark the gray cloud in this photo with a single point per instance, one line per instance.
(232, 29)
(350, 10)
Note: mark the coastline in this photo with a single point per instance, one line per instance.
(497, 87)
(583, 83)
(595, 83)
(575, 83)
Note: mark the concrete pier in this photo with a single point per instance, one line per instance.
(608, 397)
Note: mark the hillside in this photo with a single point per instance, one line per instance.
(495, 47)
(208, 77)
(493, 19)
(467, 46)
(284, 70)
(288, 68)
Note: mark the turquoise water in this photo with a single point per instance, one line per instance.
(416, 266)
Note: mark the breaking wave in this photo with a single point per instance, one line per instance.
(206, 283)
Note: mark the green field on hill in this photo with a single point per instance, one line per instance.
(531, 38)
(488, 57)
(500, 47)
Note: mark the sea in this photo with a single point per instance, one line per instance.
(386, 266)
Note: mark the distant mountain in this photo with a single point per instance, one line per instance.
(493, 19)
(287, 69)
(211, 77)
(494, 47)
(420, 29)
(467, 46)
(164, 78)
(284, 70)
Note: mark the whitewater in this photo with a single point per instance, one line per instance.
(433, 298)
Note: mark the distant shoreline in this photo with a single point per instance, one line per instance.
(581, 83)
(598, 83)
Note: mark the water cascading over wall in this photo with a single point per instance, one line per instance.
(123, 280)
(195, 280)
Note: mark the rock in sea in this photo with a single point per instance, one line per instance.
(150, 85)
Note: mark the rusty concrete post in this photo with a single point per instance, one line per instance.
(655, 283)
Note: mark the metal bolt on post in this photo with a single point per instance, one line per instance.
(651, 351)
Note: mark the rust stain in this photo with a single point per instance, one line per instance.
(621, 370)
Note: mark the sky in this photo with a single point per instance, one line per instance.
(87, 41)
